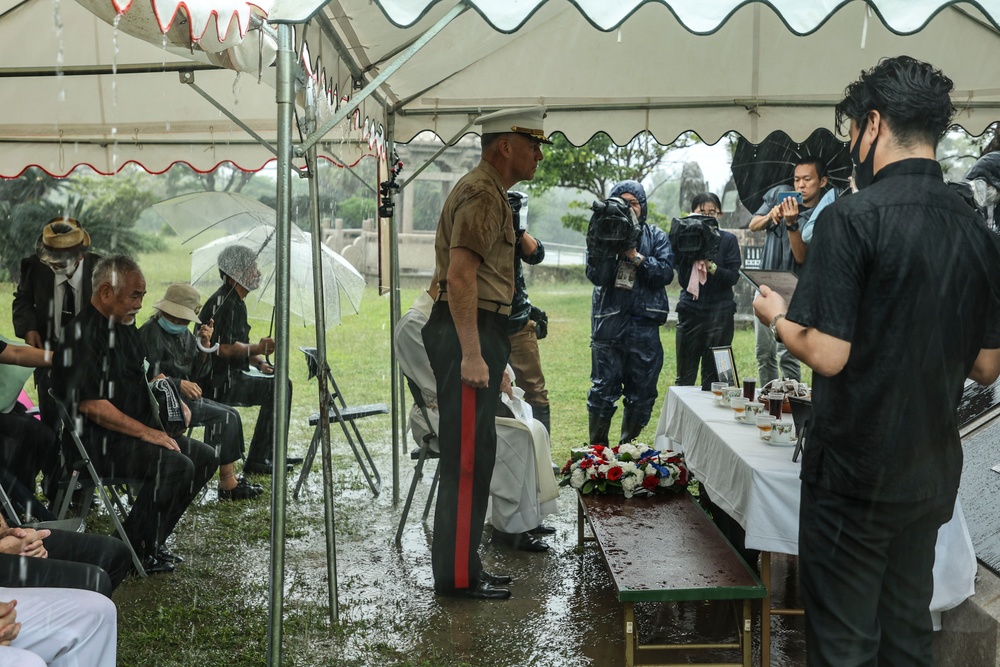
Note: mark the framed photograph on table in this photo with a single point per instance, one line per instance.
(725, 365)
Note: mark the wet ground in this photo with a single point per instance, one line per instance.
(563, 610)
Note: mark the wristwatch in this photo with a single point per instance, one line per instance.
(774, 326)
(794, 227)
(637, 259)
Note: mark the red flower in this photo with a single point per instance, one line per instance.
(650, 482)
(615, 473)
(598, 449)
(615, 449)
(586, 463)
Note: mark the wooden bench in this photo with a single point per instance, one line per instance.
(666, 549)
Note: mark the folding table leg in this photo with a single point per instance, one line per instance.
(747, 634)
(630, 635)
(765, 610)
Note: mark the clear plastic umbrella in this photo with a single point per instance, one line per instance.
(199, 213)
(343, 286)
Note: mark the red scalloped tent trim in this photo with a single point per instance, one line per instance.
(122, 7)
(172, 164)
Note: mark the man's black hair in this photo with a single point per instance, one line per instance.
(705, 198)
(913, 98)
(814, 161)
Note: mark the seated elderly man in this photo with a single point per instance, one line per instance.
(229, 380)
(100, 373)
(523, 488)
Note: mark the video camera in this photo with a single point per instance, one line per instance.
(613, 229)
(695, 237)
(519, 206)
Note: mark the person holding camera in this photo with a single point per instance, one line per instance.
(527, 323)
(782, 222)
(629, 307)
(706, 306)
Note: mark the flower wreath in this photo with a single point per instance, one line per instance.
(630, 469)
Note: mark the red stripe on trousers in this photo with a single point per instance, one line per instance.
(467, 465)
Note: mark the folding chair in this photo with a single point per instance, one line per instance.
(342, 414)
(420, 456)
(102, 485)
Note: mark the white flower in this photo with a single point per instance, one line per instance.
(577, 478)
(666, 481)
(592, 472)
(628, 468)
(628, 449)
(628, 485)
(650, 470)
(604, 468)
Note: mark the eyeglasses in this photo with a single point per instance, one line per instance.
(712, 212)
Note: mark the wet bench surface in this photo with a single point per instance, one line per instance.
(666, 549)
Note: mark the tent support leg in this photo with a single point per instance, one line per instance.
(285, 94)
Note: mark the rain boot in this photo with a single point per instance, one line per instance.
(541, 413)
(599, 427)
(630, 429)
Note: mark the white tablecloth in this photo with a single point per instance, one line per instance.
(757, 484)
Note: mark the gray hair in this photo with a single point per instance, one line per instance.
(112, 271)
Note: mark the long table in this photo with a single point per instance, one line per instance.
(757, 484)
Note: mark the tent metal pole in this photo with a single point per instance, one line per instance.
(285, 97)
(394, 313)
(319, 302)
(437, 154)
(356, 101)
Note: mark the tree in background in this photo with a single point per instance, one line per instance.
(107, 207)
(596, 166)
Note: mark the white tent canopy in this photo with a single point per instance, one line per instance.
(625, 67)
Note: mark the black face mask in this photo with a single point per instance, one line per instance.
(864, 172)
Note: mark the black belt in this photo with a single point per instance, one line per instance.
(484, 304)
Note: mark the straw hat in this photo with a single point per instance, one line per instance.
(181, 301)
(62, 239)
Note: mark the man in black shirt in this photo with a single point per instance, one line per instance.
(100, 372)
(894, 309)
(228, 382)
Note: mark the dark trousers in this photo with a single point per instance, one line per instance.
(168, 482)
(629, 365)
(76, 560)
(866, 576)
(243, 390)
(697, 332)
(28, 446)
(468, 438)
(223, 427)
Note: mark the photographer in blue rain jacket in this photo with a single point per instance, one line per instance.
(629, 307)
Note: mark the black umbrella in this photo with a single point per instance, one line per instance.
(758, 168)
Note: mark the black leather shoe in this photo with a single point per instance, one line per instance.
(520, 541)
(494, 579)
(153, 565)
(543, 530)
(481, 592)
(168, 556)
(243, 490)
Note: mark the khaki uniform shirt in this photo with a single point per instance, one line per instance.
(477, 216)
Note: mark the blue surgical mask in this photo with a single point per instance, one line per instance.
(170, 327)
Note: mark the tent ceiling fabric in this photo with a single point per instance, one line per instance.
(625, 67)
(62, 107)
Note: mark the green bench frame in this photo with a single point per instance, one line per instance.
(690, 561)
